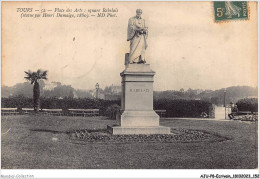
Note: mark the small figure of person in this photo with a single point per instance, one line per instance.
(234, 110)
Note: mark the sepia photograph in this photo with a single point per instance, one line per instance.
(129, 85)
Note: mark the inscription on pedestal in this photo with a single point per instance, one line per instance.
(140, 90)
(138, 95)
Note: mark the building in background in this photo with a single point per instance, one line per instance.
(112, 92)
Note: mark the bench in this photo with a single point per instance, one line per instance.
(243, 112)
(27, 110)
(9, 111)
(160, 112)
(57, 112)
(84, 112)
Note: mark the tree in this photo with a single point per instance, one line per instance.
(182, 90)
(34, 78)
(108, 90)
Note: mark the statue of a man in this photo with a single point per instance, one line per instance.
(137, 34)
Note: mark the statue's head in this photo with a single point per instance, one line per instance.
(138, 13)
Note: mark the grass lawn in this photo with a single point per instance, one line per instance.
(40, 142)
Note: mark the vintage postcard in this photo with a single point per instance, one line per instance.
(129, 85)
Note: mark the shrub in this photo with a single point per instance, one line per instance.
(248, 104)
(112, 111)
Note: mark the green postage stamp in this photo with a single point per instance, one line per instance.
(230, 10)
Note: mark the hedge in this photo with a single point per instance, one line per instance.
(174, 108)
(17, 102)
(248, 104)
(55, 103)
(182, 107)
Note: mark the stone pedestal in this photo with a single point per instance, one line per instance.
(138, 116)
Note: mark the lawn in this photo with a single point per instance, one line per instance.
(41, 142)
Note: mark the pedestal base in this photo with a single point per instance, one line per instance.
(139, 118)
(119, 130)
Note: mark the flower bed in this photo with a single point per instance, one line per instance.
(178, 135)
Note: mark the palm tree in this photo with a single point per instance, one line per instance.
(34, 77)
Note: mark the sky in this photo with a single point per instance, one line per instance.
(186, 47)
